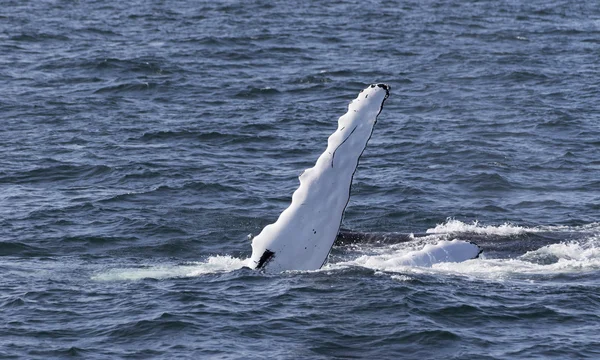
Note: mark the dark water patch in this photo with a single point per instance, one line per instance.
(163, 230)
(234, 56)
(524, 76)
(255, 93)
(21, 249)
(537, 204)
(366, 187)
(424, 337)
(591, 40)
(532, 312)
(130, 88)
(459, 311)
(141, 66)
(38, 37)
(180, 135)
(347, 237)
(205, 138)
(107, 32)
(58, 173)
(98, 241)
(147, 328)
(61, 352)
(283, 50)
(495, 209)
(403, 53)
(487, 182)
(141, 175)
(59, 212)
(258, 128)
(166, 246)
(166, 190)
(17, 302)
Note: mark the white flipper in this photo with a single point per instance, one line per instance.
(443, 251)
(302, 236)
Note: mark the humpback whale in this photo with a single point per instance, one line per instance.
(304, 233)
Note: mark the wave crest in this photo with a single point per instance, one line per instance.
(453, 226)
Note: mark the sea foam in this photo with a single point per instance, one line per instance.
(213, 264)
(452, 226)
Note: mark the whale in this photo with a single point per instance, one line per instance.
(304, 233)
(444, 251)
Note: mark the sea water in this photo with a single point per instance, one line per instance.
(144, 143)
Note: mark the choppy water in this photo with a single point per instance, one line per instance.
(142, 142)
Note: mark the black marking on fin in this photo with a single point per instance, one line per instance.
(266, 256)
(348, 137)
(479, 248)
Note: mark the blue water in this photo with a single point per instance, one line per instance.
(143, 143)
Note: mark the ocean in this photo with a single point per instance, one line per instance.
(144, 144)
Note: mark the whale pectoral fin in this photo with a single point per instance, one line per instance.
(320, 200)
(265, 257)
(342, 143)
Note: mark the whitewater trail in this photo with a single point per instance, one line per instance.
(554, 260)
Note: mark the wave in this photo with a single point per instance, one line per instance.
(202, 136)
(8, 248)
(456, 226)
(546, 262)
(551, 261)
(453, 226)
(57, 171)
(196, 186)
(256, 92)
(38, 36)
(129, 87)
(565, 258)
(214, 264)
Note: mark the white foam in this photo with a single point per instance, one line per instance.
(213, 264)
(453, 226)
(443, 251)
(402, 258)
(551, 260)
(401, 277)
(457, 226)
(575, 257)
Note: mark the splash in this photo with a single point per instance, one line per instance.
(453, 226)
(572, 255)
(549, 261)
(569, 258)
(443, 251)
(457, 226)
(213, 264)
(577, 254)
